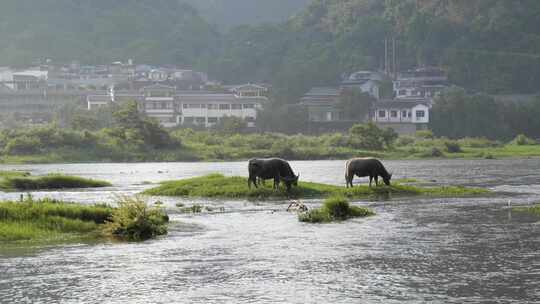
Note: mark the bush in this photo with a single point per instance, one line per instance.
(22, 145)
(477, 142)
(405, 141)
(434, 152)
(522, 140)
(426, 134)
(134, 220)
(452, 147)
(334, 209)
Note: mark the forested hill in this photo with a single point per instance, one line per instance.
(486, 45)
(101, 31)
(230, 13)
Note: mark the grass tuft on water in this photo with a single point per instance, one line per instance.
(534, 209)
(334, 209)
(52, 181)
(135, 220)
(219, 186)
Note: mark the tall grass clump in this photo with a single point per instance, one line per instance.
(52, 181)
(334, 209)
(452, 147)
(135, 220)
(46, 219)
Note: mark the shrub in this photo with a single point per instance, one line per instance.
(334, 209)
(522, 140)
(452, 147)
(22, 145)
(134, 220)
(426, 134)
(477, 142)
(405, 140)
(434, 152)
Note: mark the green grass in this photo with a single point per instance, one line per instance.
(52, 181)
(219, 186)
(134, 220)
(334, 209)
(50, 220)
(534, 209)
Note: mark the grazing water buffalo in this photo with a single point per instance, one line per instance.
(366, 167)
(272, 168)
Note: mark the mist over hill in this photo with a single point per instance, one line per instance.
(229, 13)
(98, 31)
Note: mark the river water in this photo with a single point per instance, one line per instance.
(473, 250)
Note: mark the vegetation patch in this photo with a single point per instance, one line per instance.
(219, 186)
(334, 209)
(52, 221)
(134, 220)
(15, 181)
(534, 209)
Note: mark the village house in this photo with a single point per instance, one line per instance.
(173, 107)
(366, 81)
(405, 117)
(420, 83)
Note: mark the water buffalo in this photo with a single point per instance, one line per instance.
(272, 168)
(366, 167)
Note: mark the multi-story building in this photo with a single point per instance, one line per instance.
(420, 83)
(174, 108)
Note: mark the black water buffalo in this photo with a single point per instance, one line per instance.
(366, 167)
(272, 168)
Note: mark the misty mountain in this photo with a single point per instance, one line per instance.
(228, 13)
(97, 31)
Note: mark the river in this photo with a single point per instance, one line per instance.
(473, 250)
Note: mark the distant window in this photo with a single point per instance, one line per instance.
(420, 114)
(203, 106)
(189, 120)
(393, 114)
(250, 119)
(249, 106)
(200, 120)
(402, 92)
(404, 114)
(185, 106)
(163, 105)
(382, 114)
(212, 120)
(224, 106)
(236, 106)
(212, 106)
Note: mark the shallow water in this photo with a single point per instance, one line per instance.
(473, 250)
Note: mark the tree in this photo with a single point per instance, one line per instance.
(369, 136)
(231, 125)
(355, 104)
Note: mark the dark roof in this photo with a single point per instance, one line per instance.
(400, 103)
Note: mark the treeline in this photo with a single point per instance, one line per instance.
(457, 114)
(487, 45)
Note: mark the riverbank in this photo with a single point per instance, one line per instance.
(187, 145)
(219, 187)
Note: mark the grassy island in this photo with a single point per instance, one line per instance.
(534, 209)
(219, 186)
(50, 221)
(17, 180)
(334, 209)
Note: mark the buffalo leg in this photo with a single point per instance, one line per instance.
(370, 179)
(376, 180)
(276, 183)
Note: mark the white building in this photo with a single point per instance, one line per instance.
(402, 116)
(174, 108)
(420, 83)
